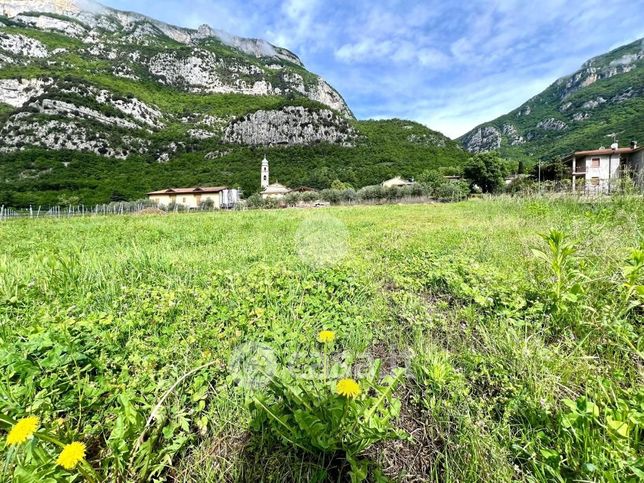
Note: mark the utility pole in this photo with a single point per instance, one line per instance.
(613, 148)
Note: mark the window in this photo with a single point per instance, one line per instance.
(264, 178)
(184, 201)
(594, 181)
(595, 162)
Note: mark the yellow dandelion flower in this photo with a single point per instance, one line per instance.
(23, 430)
(347, 388)
(71, 455)
(326, 336)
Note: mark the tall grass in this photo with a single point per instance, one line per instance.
(508, 353)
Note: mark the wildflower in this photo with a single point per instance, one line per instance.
(23, 430)
(326, 336)
(347, 388)
(71, 455)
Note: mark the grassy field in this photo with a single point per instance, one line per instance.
(166, 344)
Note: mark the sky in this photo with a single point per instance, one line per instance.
(450, 65)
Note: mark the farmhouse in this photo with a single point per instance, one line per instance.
(594, 171)
(396, 182)
(219, 196)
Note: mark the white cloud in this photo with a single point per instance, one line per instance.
(450, 65)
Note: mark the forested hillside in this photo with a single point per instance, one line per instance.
(577, 112)
(107, 105)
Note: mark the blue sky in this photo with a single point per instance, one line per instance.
(448, 64)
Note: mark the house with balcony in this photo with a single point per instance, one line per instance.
(598, 171)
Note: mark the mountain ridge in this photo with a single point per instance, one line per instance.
(107, 105)
(577, 111)
(85, 10)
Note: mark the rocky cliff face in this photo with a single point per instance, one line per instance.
(73, 68)
(108, 105)
(290, 125)
(576, 112)
(86, 19)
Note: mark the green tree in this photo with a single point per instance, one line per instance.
(554, 170)
(487, 171)
(431, 177)
(68, 200)
(340, 186)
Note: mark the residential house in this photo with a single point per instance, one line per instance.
(220, 196)
(396, 182)
(597, 171)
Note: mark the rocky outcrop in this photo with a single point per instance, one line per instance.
(552, 124)
(320, 91)
(482, 139)
(596, 69)
(290, 126)
(203, 72)
(52, 24)
(22, 131)
(140, 29)
(16, 92)
(21, 45)
(61, 108)
(512, 135)
(253, 67)
(602, 96)
(139, 111)
(593, 103)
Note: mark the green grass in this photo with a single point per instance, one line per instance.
(100, 316)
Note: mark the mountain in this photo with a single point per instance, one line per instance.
(577, 112)
(107, 105)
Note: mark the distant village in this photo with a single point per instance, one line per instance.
(590, 172)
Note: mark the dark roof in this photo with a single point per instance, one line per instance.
(182, 191)
(601, 152)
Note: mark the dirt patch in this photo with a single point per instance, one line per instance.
(216, 458)
(391, 358)
(150, 211)
(410, 460)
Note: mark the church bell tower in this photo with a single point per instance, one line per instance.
(265, 181)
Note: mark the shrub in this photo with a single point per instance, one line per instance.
(255, 201)
(207, 205)
(369, 193)
(309, 196)
(452, 191)
(329, 414)
(331, 195)
(292, 199)
(349, 195)
(486, 170)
